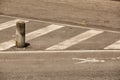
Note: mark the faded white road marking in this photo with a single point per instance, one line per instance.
(10, 24)
(12, 60)
(43, 31)
(7, 45)
(117, 58)
(87, 27)
(61, 51)
(115, 45)
(74, 40)
(87, 60)
(31, 35)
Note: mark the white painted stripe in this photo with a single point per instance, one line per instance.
(10, 24)
(115, 45)
(87, 60)
(74, 40)
(77, 26)
(43, 31)
(31, 35)
(7, 45)
(63, 51)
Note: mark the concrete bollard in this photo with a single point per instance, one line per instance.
(20, 34)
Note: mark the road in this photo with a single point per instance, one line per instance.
(93, 13)
(83, 60)
(60, 66)
(43, 35)
(69, 40)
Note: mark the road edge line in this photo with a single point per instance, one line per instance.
(64, 51)
(62, 24)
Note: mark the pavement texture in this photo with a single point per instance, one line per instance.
(93, 13)
(41, 39)
(86, 60)
(36, 63)
(60, 66)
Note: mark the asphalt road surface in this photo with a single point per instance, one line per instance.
(60, 66)
(43, 35)
(95, 13)
(84, 60)
(69, 40)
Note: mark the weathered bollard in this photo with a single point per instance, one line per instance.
(20, 34)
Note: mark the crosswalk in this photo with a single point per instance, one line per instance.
(115, 45)
(74, 40)
(59, 37)
(10, 24)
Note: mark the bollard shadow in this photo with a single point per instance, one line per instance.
(115, 0)
(27, 44)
